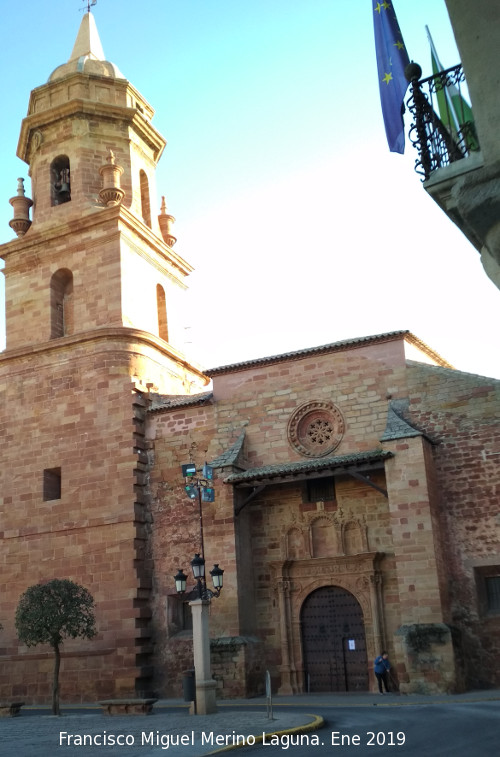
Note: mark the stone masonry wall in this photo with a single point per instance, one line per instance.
(460, 413)
(89, 251)
(176, 534)
(75, 414)
(73, 405)
(261, 400)
(437, 529)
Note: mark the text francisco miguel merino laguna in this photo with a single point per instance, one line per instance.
(166, 740)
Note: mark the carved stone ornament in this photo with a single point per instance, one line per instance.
(111, 193)
(316, 428)
(36, 140)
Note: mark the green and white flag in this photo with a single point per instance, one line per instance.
(454, 111)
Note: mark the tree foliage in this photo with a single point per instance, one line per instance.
(51, 612)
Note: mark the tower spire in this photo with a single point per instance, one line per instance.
(87, 55)
(88, 43)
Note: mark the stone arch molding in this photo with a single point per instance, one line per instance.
(296, 579)
(326, 535)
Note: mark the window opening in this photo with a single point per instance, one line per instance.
(51, 484)
(179, 615)
(488, 589)
(145, 202)
(492, 584)
(61, 304)
(161, 306)
(321, 490)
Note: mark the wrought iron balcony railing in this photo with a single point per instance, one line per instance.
(445, 138)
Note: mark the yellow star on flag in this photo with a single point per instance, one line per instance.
(392, 60)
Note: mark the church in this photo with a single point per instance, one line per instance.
(355, 484)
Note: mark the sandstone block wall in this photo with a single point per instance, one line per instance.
(72, 405)
(77, 416)
(460, 412)
(437, 523)
(261, 400)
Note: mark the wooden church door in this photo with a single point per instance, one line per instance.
(333, 641)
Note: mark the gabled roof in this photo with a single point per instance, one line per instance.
(345, 344)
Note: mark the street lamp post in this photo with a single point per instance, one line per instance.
(201, 596)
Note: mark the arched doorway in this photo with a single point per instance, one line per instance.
(333, 641)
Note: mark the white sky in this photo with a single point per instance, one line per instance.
(303, 228)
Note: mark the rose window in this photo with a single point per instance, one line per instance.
(316, 429)
(320, 432)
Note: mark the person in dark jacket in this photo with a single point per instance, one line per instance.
(381, 668)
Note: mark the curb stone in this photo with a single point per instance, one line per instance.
(315, 725)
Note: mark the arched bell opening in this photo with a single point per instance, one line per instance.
(60, 180)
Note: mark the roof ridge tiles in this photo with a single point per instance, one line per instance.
(330, 347)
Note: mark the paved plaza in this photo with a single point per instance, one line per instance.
(171, 730)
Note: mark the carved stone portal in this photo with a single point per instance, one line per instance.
(326, 535)
(296, 579)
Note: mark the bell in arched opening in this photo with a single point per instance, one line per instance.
(60, 189)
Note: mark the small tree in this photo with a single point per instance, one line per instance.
(51, 612)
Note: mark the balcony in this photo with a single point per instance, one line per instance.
(451, 163)
(445, 138)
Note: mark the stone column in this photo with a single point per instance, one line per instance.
(377, 611)
(205, 685)
(285, 667)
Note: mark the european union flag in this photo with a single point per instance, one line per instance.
(392, 60)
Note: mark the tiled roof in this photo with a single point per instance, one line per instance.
(170, 401)
(230, 456)
(283, 470)
(397, 426)
(333, 347)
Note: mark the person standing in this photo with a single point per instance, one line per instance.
(381, 668)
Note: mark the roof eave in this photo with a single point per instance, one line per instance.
(343, 345)
(321, 468)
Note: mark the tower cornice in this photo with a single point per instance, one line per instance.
(46, 233)
(129, 106)
(136, 225)
(122, 337)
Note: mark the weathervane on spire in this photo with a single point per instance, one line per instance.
(89, 4)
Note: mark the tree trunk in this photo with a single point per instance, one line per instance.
(55, 682)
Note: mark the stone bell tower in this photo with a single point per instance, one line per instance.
(93, 320)
(92, 152)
